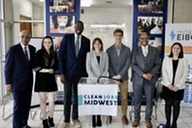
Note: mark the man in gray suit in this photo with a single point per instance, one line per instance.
(145, 65)
(119, 62)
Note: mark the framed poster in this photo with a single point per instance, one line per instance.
(151, 6)
(62, 24)
(150, 25)
(62, 6)
(61, 16)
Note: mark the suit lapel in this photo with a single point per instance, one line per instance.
(31, 52)
(101, 60)
(115, 53)
(178, 71)
(82, 44)
(72, 43)
(140, 52)
(149, 51)
(95, 59)
(101, 65)
(21, 52)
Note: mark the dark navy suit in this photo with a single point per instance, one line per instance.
(18, 73)
(73, 68)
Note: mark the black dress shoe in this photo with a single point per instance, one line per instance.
(174, 126)
(99, 123)
(93, 121)
(167, 126)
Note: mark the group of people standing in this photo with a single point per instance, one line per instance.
(76, 61)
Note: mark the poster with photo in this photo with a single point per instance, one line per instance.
(150, 25)
(62, 6)
(150, 6)
(155, 42)
(62, 24)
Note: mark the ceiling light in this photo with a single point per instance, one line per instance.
(107, 25)
(41, 0)
(86, 3)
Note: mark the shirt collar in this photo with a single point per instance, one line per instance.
(23, 46)
(77, 35)
(118, 46)
(144, 47)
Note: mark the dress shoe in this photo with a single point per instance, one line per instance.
(135, 123)
(93, 121)
(124, 120)
(149, 124)
(167, 125)
(174, 126)
(77, 123)
(66, 125)
(99, 122)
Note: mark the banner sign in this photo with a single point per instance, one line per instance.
(182, 33)
(97, 99)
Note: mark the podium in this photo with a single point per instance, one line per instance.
(97, 98)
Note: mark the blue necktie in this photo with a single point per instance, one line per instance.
(77, 46)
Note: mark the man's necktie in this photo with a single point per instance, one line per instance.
(26, 53)
(77, 46)
(145, 51)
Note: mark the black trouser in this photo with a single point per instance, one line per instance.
(70, 88)
(22, 103)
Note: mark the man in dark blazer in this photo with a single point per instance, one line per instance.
(19, 78)
(72, 59)
(119, 63)
(145, 66)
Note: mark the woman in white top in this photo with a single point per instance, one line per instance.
(97, 65)
(174, 76)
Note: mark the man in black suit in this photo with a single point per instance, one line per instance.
(72, 59)
(19, 78)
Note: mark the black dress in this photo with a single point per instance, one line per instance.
(168, 94)
(45, 82)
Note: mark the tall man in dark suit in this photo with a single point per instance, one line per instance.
(145, 65)
(19, 78)
(72, 59)
(119, 62)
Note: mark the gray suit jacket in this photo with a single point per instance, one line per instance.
(119, 65)
(95, 69)
(149, 64)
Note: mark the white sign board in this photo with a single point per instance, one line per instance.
(97, 99)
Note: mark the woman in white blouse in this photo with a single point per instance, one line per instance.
(174, 76)
(97, 65)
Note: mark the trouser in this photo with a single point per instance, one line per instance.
(148, 90)
(22, 103)
(70, 88)
(123, 93)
